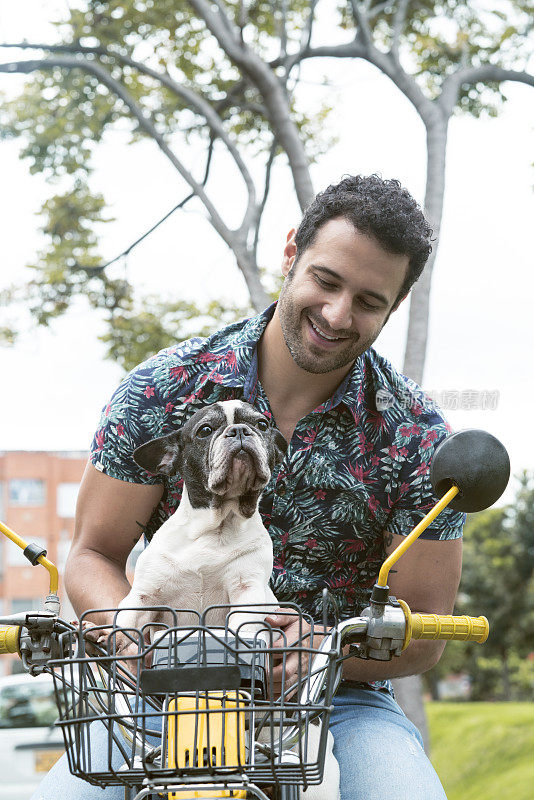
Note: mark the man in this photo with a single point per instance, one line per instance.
(355, 477)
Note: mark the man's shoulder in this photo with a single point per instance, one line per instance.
(196, 351)
(398, 398)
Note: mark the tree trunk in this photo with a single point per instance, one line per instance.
(408, 691)
(506, 685)
(416, 339)
(409, 695)
(248, 266)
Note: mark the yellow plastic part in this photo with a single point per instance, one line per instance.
(443, 626)
(9, 640)
(417, 531)
(408, 629)
(52, 569)
(226, 737)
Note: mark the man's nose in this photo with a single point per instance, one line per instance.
(338, 314)
(237, 430)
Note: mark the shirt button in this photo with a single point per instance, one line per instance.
(281, 489)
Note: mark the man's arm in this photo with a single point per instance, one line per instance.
(109, 514)
(427, 578)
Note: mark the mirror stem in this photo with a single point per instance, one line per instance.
(417, 531)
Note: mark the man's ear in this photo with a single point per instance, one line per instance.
(279, 446)
(290, 253)
(162, 456)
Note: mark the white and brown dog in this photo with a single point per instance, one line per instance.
(214, 549)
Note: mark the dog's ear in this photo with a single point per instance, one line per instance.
(279, 447)
(162, 456)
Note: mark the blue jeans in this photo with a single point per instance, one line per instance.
(379, 751)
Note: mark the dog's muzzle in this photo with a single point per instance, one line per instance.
(238, 461)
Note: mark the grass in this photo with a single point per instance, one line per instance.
(483, 751)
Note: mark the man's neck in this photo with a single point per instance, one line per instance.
(286, 385)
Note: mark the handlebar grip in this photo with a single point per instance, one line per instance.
(446, 626)
(9, 639)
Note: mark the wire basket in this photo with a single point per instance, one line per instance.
(194, 703)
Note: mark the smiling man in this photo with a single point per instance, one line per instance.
(341, 287)
(353, 483)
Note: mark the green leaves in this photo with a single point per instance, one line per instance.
(498, 581)
(150, 49)
(143, 329)
(70, 268)
(439, 37)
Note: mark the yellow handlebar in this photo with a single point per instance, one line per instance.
(443, 626)
(9, 640)
(48, 565)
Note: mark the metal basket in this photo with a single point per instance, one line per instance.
(195, 704)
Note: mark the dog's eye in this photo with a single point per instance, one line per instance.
(262, 425)
(203, 432)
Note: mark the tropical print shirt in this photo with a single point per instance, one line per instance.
(357, 465)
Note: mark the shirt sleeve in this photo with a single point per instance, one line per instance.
(414, 447)
(134, 415)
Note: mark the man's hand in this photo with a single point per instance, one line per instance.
(115, 642)
(296, 632)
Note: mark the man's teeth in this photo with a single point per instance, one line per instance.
(330, 338)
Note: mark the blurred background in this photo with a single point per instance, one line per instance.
(113, 114)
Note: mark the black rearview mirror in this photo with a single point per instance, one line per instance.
(474, 461)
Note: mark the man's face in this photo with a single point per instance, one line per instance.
(343, 287)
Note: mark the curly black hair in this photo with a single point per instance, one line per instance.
(379, 208)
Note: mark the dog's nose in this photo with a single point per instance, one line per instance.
(237, 430)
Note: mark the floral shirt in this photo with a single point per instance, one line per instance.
(357, 465)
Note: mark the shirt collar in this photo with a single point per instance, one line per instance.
(348, 392)
(238, 366)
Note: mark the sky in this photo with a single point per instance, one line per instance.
(481, 340)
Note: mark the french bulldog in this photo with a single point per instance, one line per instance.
(215, 549)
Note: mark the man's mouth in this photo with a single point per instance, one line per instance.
(322, 336)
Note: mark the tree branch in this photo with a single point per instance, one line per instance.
(144, 122)
(261, 208)
(305, 40)
(231, 29)
(133, 245)
(273, 93)
(486, 73)
(193, 100)
(363, 31)
(283, 29)
(398, 26)
(385, 63)
(376, 10)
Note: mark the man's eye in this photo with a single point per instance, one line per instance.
(325, 284)
(367, 305)
(204, 431)
(262, 425)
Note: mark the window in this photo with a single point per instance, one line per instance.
(19, 604)
(26, 492)
(28, 704)
(15, 556)
(67, 494)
